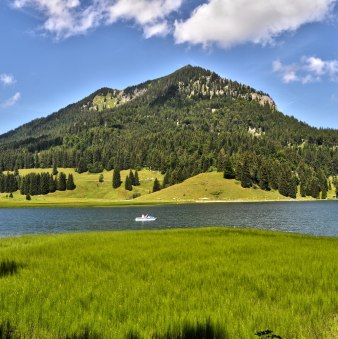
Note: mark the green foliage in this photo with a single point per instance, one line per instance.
(70, 185)
(95, 168)
(132, 178)
(61, 183)
(229, 172)
(55, 170)
(101, 178)
(116, 178)
(127, 184)
(157, 185)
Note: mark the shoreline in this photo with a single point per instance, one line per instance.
(128, 203)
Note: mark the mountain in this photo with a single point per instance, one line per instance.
(186, 123)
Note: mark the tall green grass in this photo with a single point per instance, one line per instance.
(163, 284)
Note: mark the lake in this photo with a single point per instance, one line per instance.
(315, 217)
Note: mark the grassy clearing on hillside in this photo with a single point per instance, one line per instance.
(212, 186)
(149, 284)
(89, 191)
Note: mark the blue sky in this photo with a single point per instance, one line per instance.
(55, 52)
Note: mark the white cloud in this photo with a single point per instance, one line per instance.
(229, 22)
(65, 18)
(12, 101)
(309, 69)
(7, 79)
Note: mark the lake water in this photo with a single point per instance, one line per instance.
(316, 218)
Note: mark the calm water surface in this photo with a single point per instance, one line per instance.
(317, 218)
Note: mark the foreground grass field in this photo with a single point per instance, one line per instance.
(155, 284)
(90, 192)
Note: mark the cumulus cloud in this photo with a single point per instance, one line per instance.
(307, 70)
(229, 22)
(65, 18)
(7, 79)
(12, 100)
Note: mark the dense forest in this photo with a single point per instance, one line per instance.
(188, 122)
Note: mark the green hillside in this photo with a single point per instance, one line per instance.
(186, 123)
(205, 187)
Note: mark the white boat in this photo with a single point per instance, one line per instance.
(145, 218)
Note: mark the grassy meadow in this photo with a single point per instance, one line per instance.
(204, 187)
(89, 191)
(162, 284)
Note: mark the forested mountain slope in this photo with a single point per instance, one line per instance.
(186, 123)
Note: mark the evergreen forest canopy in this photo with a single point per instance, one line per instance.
(188, 122)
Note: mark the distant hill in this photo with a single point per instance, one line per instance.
(189, 122)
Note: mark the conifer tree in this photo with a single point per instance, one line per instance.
(61, 182)
(52, 184)
(137, 180)
(263, 180)
(166, 180)
(55, 170)
(101, 178)
(245, 174)
(156, 186)
(127, 184)
(44, 183)
(116, 178)
(229, 172)
(34, 184)
(293, 187)
(82, 166)
(324, 194)
(70, 185)
(132, 178)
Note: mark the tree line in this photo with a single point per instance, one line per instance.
(36, 183)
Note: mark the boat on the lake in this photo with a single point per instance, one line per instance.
(145, 217)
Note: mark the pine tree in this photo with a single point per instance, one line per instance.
(82, 166)
(127, 184)
(28, 197)
(263, 180)
(61, 182)
(284, 181)
(70, 185)
(302, 188)
(293, 187)
(34, 184)
(116, 178)
(166, 180)
(245, 174)
(156, 186)
(137, 180)
(44, 183)
(52, 184)
(55, 170)
(314, 187)
(324, 194)
(229, 172)
(132, 177)
(101, 178)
